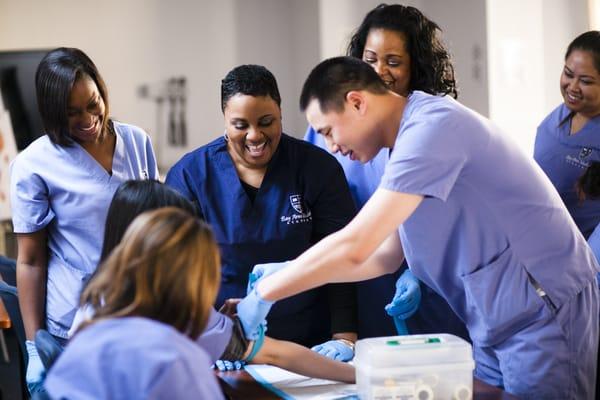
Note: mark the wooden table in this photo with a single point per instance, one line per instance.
(240, 385)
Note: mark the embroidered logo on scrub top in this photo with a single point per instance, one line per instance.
(296, 202)
(585, 153)
(581, 160)
(297, 205)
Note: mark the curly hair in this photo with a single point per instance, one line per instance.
(431, 66)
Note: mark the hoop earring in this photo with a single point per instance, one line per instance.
(226, 137)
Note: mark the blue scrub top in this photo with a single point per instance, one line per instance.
(490, 223)
(111, 360)
(433, 315)
(303, 198)
(565, 157)
(66, 191)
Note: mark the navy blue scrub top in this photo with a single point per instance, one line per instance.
(303, 198)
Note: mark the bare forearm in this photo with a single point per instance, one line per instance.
(359, 251)
(31, 284)
(298, 359)
(332, 260)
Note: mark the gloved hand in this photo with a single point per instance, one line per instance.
(252, 311)
(262, 270)
(224, 365)
(407, 297)
(35, 369)
(335, 349)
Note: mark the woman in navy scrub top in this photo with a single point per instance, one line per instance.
(269, 197)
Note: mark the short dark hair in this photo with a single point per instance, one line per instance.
(251, 80)
(431, 68)
(588, 41)
(332, 79)
(54, 80)
(133, 198)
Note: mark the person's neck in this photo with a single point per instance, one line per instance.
(391, 110)
(578, 121)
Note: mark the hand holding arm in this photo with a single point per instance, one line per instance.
(252, 311)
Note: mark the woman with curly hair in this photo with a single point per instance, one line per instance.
(405, 49)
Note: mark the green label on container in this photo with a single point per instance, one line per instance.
(399, 342)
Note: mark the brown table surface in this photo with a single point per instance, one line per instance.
(240, 385)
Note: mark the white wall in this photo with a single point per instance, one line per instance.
(508, 54)
(526, 43)
(140, 42)
(468, 47)
(123, 48)
(338, 19)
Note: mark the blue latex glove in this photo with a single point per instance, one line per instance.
(335, 350)
(407, 297)
(35, 369)
(252, 311)
(262, 270)
(224, 365)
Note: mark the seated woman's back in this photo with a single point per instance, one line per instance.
(133, 357)
(152, 298)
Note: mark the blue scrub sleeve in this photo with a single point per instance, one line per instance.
(179, 179)
(428, 156)
(29, 199)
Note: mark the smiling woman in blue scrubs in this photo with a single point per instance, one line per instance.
(61, 186)
(568, 139)
(269, 197)
(404, 48)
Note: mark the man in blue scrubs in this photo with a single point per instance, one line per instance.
(433, 314)
(476, 220)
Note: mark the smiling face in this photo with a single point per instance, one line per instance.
(253, 126)
(85, 111)
(386, 51)
(346, 131)
(580, 84)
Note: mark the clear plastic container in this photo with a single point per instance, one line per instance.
(419, 367)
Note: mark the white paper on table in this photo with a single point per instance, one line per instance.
(294, 386)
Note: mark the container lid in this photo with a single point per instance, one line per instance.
(412, 350)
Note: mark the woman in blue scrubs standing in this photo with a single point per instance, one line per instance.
(61, 186)
(269, 197)
(404, 48)
(568, 139)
